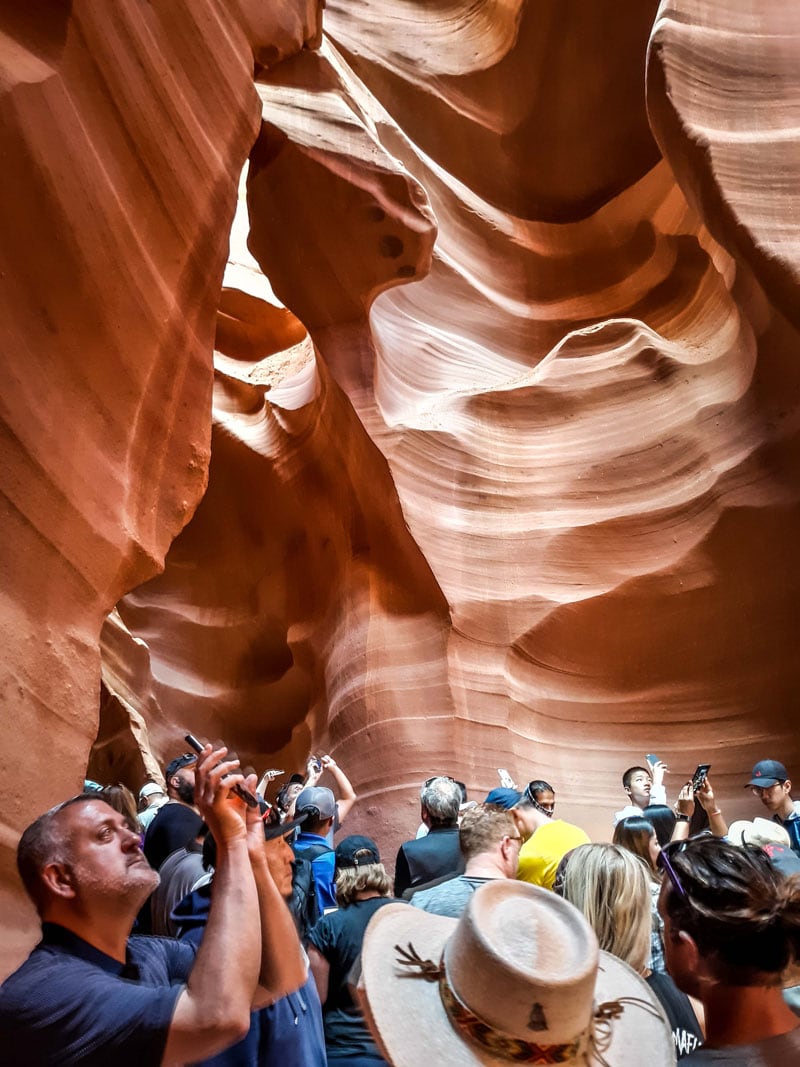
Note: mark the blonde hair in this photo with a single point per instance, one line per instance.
(611, 887)
(483, 827)
(353, 880)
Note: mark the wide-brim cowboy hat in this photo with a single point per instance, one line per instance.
(757, 832)
(521, 981)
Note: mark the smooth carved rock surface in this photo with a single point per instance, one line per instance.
(724, 99)
(511, 484)
(124, 131)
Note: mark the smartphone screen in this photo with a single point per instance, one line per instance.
(700, 775)
(652, 759)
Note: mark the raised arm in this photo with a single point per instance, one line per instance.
(684, 809)
(213, 1011)
(658, 793)
(347, 795)
(283, 966)
(716, 820)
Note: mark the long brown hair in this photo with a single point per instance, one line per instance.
(634, 834)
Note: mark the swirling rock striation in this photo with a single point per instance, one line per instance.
(511, 483)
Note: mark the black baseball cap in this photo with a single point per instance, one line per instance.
(273, 827)
(356, 851)
(766, 773)
(180, 761)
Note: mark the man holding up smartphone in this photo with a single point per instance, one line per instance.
(91, 994)
(644, 785)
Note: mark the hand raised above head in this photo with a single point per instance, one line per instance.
(313, 770)
(222, 810)
(705, 794)
(658, 770)
(684, 805)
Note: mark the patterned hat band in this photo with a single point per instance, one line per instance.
(595, 1040)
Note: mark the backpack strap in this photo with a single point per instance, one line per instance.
(312, 852)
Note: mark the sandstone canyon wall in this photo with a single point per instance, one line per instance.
(513, 482)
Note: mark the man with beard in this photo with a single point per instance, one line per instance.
(91, 994)
(177, 822)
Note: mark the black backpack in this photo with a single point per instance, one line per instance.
(303, 901)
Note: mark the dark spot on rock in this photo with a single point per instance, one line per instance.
(376, 214)
(407, 271)
(391, 246)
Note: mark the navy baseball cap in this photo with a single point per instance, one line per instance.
(178, 763)
(356, 851)
(766, 773)
(503, 798)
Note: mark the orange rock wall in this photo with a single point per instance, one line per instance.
(524, 496)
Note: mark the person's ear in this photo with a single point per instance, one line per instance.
(787, 786)
(687, 946)
(510, 857)
(58, 879)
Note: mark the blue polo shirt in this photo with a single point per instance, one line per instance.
(287, 1033)
(324, 869)
(69, 1003)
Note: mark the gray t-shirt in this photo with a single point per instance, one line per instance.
(448, 898)
(779, 1051)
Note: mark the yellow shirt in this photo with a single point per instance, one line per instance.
(541, 854)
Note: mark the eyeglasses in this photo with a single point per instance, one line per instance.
(438, 778)
(759, 790)
(664, 862)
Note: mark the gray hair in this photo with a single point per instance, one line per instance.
(43, 842)
(441, 799)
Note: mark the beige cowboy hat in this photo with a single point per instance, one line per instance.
(758, 832)
(518, 978)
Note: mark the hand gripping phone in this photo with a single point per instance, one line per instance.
(700, 775)
(249, 798)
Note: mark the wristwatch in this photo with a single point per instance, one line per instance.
(683, 818)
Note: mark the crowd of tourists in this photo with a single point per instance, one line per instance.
(213, 923)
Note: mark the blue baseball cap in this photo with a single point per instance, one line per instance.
(503, 798)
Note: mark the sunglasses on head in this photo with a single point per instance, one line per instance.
(664, 863)
(539, 807)
(271, 816)
(438, 778)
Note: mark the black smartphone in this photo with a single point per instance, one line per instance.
(249, 798)
(700, 775)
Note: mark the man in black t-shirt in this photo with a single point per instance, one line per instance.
(177, 822)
